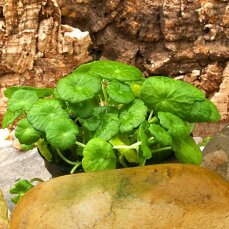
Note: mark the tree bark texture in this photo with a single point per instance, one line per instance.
(185, 39)
(35, 48)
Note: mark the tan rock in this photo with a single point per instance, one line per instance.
(3, 213)
(160, 196)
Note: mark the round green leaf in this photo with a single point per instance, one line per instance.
(95, 121)
(204, 111)
(83, 109)
(173, 124)
(132, 116)
(92, 123)
(61, 133)
(167, 94)
(109, 127)
(41, 92)
(9, 117)
(22, 100)
(76, 88)
(120, 92)
(186, 150)
(44, 111)
(27, 147)
(107, 69)
(98, 155)
(25, 133)
(160, 134)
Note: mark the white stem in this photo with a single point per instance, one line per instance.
(133, 146)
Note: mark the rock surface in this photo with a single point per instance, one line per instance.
(161, 196)
(216, 153)
(3, 213)
(17, 164)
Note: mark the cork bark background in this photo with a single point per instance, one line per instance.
(185, 39)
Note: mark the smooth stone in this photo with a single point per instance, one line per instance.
(158, 196)
(216, 154)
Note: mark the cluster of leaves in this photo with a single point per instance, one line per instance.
(20, 187)
(105, 114)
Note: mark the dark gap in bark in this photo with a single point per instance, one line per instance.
(1, 13)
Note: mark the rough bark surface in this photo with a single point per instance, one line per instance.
(185, 39)
(35, 48)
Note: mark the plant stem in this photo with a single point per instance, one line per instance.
(36, 179)
(161, 149)
(143, 163)
(151, 138)
(150, 115)
(75, 167)
(122, 162)
(104, 93)
(133, 146)
(153, 120)
(65, 159)
(80, 144)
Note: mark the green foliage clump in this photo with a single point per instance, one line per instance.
(106, 115)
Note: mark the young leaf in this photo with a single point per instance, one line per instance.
(19, 189)
(61, 133)
(132, 116)
(41, 92)
(186, 150)
(142, 136)
(22, 100)
(204, 111)
(107, 69)
(44, 150)
(98, 155)
(109, 127)
(27, 147)
(130, 154)
(44, 111)
(136, 88)
(92, 123)
(160, 134)
(169, 95)
(76, 88)
(95, 121)
(120, 92)
(83, 109)
(25, 133)
(9, 117)
(173, 124)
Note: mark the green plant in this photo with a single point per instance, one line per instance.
(105, 114)
(20, 187)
